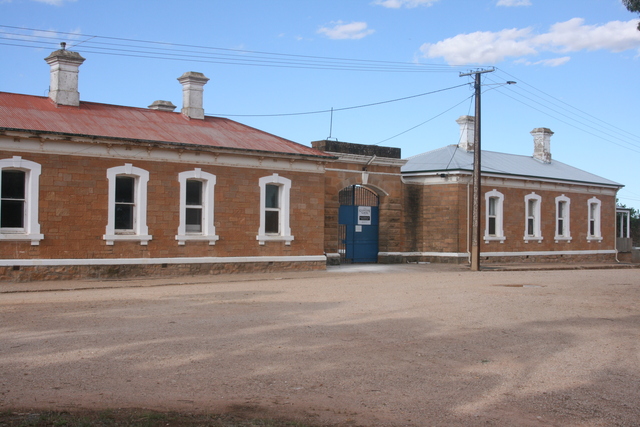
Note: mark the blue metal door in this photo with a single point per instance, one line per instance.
(358, 221)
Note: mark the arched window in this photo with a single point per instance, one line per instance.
(593, 231)
(127, 211)
(532, 229)
(563, 211)
(19, 193)
(196, 207)
(494, 201)
(274, 209)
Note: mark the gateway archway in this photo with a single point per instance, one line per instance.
(358, 218)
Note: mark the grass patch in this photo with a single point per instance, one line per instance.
(134, 418)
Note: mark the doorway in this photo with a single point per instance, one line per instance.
(358, 217)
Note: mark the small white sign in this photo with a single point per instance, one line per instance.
(364, 215)
(358, 229)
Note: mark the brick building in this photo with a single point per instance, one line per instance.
(533, 208)
(96, 190)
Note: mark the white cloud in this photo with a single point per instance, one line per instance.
(342, 31)
(570, 36)
(397, 4)
(546, 62)
(55, 2)
(510, 3)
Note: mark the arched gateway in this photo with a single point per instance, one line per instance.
(358, 220)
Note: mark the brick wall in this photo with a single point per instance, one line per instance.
(73, 211)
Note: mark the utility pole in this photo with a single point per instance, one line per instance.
(477, 175)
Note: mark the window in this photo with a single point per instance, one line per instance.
(532, 229)
(494, 214)
(196, 207)
(274, 209)
(593, 232)
(127, 210)
(19, 193)
(563, 231)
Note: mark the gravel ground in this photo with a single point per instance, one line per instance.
(410, 345)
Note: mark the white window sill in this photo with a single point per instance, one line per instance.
(594, 239)
(263, 238)
(562, 239)
(143, 239)
(500, 239)
(18, 237)
(528, 239)
(184, 238)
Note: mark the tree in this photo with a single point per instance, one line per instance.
(632, 6)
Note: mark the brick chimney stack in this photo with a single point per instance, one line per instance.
(467, 131)
(63, 88)
(192, 89)
(542, 144)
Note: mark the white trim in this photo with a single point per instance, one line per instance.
(284, 235)
(208, 232)
(499, 236)
(538, 184)
(497, 254)
(597, 236)
(363, 159)
(566, 219)
(433, 254)
(537, 232)
(140, 232)
(154, 261)
(31, 230)
(193, 155)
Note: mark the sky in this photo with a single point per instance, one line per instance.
(389, 69)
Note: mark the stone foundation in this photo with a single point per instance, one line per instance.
(113, 272)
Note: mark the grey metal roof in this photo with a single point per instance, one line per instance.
(453, 158)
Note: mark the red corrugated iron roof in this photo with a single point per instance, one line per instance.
(37, 113)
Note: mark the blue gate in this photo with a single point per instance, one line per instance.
(358, 225)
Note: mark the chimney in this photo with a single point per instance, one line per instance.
(542, 144)
(162, 106)
(192, 88)
(63, 89)
(467, 131)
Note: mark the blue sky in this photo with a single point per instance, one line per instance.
(576, 64)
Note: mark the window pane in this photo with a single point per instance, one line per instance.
(532, 207)
(13, 184)
(194, 192)
(592, 210)
(561, 209)
(271, 196)
(530, 230)
(492, 226)
(193, 220)
(124, 189)
(272, 222)
(12, 214)
(124, 217)
(492, 206)
(560, 227)
(592, 228)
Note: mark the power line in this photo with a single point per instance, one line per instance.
(196, 53)
(343, 108)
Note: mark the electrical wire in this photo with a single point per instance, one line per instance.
(195, 53)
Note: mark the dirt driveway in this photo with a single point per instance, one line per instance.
(411, 345)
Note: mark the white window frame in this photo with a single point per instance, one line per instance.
(284, 234)
(140, 232)
(499, 236)
(597, 236)
(208, 232)
(566, 219)
(537, 230)
(31, 229)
